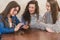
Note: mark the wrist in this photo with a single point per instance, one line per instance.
(21, 26)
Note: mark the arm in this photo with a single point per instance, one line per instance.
(44, 18)
(23, 21)
(51, 27)
(3, 29)
(17, 20)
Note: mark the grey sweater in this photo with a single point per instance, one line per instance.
(35, 24)
(55, 27)
(48, 18)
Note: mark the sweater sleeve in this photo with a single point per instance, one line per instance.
(17, 20)
(23, 21)
(4, 29)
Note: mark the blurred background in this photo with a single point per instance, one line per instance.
(23, 3)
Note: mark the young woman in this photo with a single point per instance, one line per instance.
(8, 21)
(48, 15)
(55, 27)
(31, 14)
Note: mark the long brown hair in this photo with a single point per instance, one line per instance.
(7, 10)
(57, 4)
(26, 14)
(54, 10)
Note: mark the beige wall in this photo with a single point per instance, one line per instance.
(23, 3)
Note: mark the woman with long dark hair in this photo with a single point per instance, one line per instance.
(31, 13)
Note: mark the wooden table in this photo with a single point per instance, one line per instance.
(32, 35)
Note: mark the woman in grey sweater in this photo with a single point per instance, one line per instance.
(55, 27)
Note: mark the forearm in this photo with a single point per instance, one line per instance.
(6, 30)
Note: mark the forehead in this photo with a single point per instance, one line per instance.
(32, 5)
(47, 3)
(17, 7)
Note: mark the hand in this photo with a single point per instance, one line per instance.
(38, 21)
(25, 27)
(49, 30)
(18, 27)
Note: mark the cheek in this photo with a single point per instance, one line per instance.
(15, 12)
(31, 10)
(11, 12)
(48, 7)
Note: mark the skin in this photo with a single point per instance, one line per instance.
(48, 7)
(32, 8)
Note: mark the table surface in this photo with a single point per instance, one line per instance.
(31, 35)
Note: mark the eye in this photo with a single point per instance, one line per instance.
(47, 5)
(32, 7)
(15, 9)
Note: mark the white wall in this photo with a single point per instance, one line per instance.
(23, 3)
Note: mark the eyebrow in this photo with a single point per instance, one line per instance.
(15, 9)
